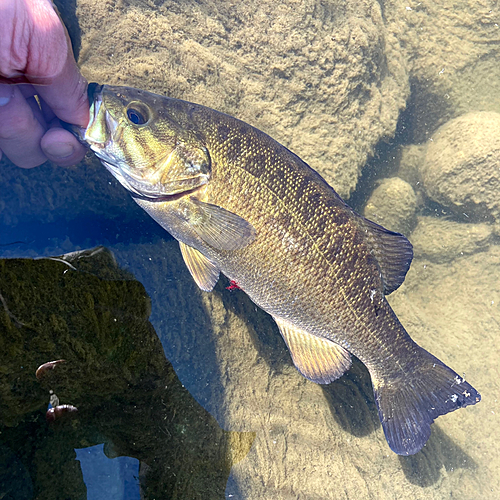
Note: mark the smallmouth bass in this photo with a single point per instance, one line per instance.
(241, 204)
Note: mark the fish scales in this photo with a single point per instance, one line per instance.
(337, 257)
(242, 204)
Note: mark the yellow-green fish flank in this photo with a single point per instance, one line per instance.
(241, 204)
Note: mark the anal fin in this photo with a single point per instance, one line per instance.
(318, 359)
(203, 271)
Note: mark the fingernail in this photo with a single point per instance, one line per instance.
(59, 150)
(6, 93)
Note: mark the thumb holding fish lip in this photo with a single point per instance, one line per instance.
(61, 147)
(66, 93)
(35, 48)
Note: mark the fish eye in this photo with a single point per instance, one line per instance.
(137, 116)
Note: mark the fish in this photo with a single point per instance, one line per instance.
(241, 204)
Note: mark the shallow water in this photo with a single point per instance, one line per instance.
(187, 395)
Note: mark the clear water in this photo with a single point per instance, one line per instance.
(186, 395)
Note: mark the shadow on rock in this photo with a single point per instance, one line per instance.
(82, 308)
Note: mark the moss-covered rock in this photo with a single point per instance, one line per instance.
(82, 308)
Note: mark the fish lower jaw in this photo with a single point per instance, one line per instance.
(145, 190)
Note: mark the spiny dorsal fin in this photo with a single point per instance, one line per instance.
(220, 228)
(393, 252)
(204, 272)
(318, 359)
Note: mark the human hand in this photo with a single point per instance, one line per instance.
(36, 58)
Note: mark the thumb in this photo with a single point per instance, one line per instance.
(51, 66)
(66, 95)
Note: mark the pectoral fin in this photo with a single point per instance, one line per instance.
(219, 227)
(204, 272)
(318, 359)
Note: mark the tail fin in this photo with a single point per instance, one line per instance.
(408, 404)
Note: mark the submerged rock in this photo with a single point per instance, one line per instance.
(392, 205)
(440, 240)
(461, 171)
(50, 193)
(451, 55)
(410, 160)
(321, 78)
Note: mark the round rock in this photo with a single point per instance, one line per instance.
(461, 167)
(393, 205)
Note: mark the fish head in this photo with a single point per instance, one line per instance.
(142, 142)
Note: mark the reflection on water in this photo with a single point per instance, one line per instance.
(82, 308)
(108, 479)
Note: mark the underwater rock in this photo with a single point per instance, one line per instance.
(410, 160)
(461, 171)
(392, 205)
(440, 240)
(83, 308)
(453, 308)
(50, 193)
(321, 78)
(451, 55)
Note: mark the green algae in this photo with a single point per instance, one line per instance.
(84, 309)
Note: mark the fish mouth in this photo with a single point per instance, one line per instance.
(93, 89)
(93, 93)
(166, 197)
(100, 132)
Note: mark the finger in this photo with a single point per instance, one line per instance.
(64, 90)
(67, 95)
(62, 147)
(40, 51)
(20, 131)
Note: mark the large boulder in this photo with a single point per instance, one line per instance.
(324, 79)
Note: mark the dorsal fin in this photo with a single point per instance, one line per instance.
(318, 359)
(203, 271)
(393, 253)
